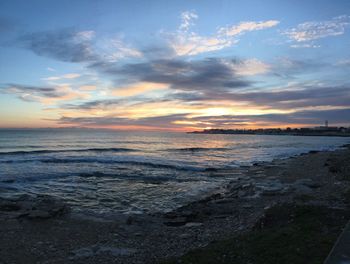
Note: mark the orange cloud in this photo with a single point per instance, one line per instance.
(139, 88)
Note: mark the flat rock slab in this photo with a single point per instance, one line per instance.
(340, 253)
(95, 250)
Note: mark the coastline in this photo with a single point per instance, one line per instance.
(52, 234)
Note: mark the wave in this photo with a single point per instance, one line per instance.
(196, 149)
(126, 162)
(149, 179)
(45, 151)
(98, 160)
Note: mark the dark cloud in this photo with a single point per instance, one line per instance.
(309, 117)
(199, 75)
(156, 122)
(282, 99)
(64, 45)
(105, 104)
(33, 93)
(312, 117)
(96, 104)
(308, 96)
(288, 68)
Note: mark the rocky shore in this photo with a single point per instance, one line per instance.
(41, 229)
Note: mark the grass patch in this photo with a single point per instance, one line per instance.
(287, 234)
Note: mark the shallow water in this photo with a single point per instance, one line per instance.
(109, 171)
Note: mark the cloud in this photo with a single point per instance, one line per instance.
(301, 98)
(157, 122)
(308, 45)
(306, 118)
(310, 117)
(187, 18)
(85, 35)
(283, 99)
(88, 87)
(250, 67)
(199, 75)
(247, 26)
(186, 42)
(138, 88)
(65, 45)
(289, 68)
(45, 95)
(309, 31)
(193, 44)
(343, 62)
(65, 76)
(70, 45)
(117, 49)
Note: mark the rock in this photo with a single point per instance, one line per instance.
(8, 206)
(82, 253)
(116, 251)
(308, 182)
(37, 207)
(302, 189)
(193, 224)
(37, 214)
(95, 250)
(185, 236)
(180, 221)
(272, 188)
(272, 191)
(129, 220)
(224, 201)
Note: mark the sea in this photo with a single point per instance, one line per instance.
(105, 171)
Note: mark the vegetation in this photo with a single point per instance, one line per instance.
(288, 234)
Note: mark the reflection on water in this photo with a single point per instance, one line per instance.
(107, 171)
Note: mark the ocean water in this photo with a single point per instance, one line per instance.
(104, 172)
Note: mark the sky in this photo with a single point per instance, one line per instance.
(174, 65)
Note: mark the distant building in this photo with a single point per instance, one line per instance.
(326, 127)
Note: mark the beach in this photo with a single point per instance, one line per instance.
(43, 229)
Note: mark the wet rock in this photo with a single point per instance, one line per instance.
(37, 207)
(272, 188)
(8, 181)
(309, 183)
(180, 221)
(46, 207)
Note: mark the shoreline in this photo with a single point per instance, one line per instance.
(56, 235)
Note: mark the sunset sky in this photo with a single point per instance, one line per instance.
(174, 65)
